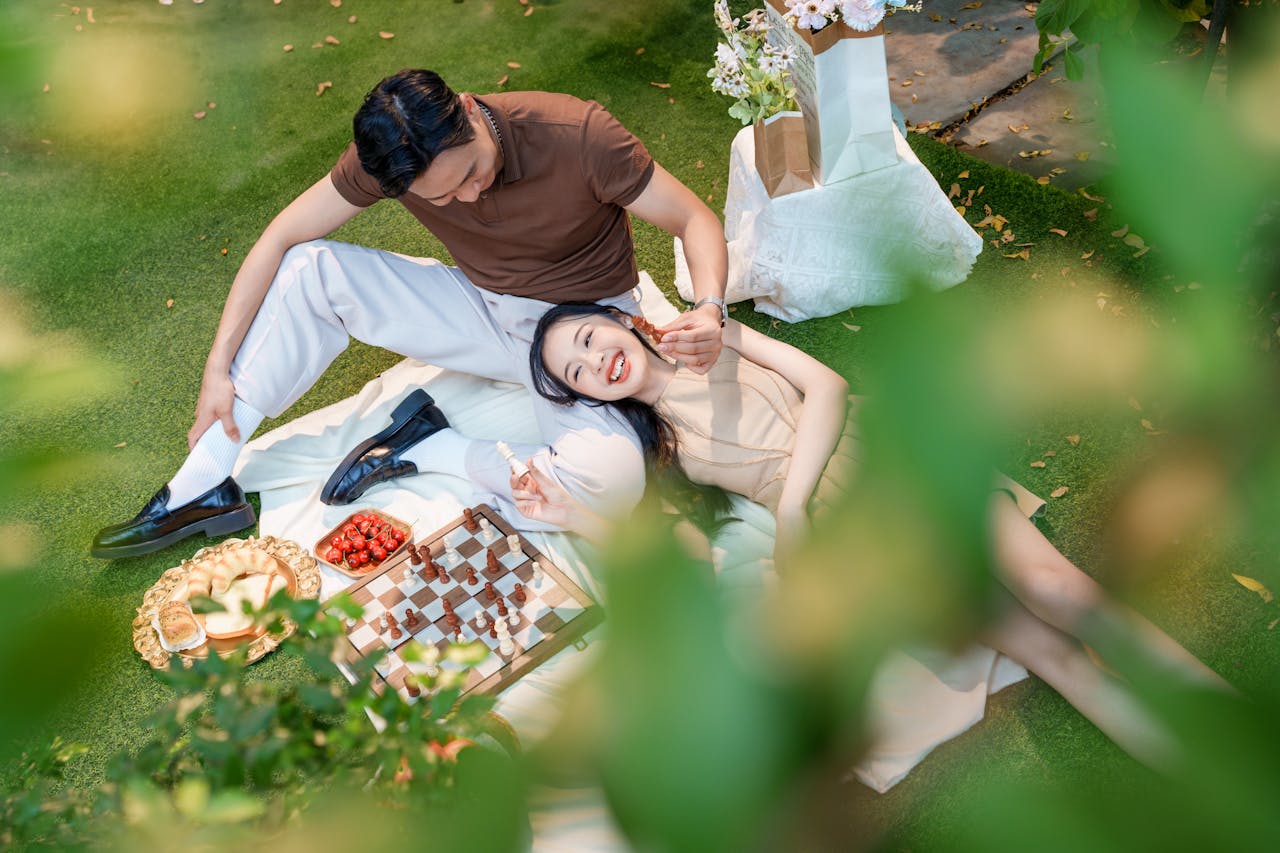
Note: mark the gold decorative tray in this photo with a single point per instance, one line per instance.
(295, 564)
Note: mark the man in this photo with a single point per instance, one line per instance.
(530, 192)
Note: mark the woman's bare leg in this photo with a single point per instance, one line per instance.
(1062, 663)
(1053, 589)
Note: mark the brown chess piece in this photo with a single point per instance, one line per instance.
(472, 580)
(493, 630)
(415, 557)
(411, 685)
(518, 594)
(448, 605)
(490, 593)
(502, 608)
(410, 617)
(396, 633)
(469, 521)
(442, 574)
(491, 561)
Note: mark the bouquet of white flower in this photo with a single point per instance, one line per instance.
(749, 69)
(862, 15)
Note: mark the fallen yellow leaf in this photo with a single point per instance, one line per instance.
(1253, 586)
(528, 11)
(1024, 254)
(503, 80)
(962, 175)
(660, 85)
(1082, 156)
(1059, 492)
(288, 48)
(331, 40)
(639, 51)
(1147, 425)
(321, 88)
(1037, 464)
(121, 444)
(955, 191)
(168, 303)
(513, 64)
(1043, 180)
(1049, 453)
(1058, 231)
(385, 35)
(200, 114)
(1073, 440)
(1134, 240)
(851, 327)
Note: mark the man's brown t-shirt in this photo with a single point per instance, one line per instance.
(552, 225)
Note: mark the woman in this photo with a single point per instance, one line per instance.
(769, 422)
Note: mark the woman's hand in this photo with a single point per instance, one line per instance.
(792, 529)
(539, 497)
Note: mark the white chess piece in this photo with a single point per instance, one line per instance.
(481, 620)
(505, 644)
(517, 467)
(513, 543)
(486, 530)
(382, 621)
(451, 554)
(513, 617)
(537, 571)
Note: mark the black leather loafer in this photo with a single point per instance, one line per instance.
(377, 459)
(219, 511)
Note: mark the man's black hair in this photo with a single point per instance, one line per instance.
(404, 124)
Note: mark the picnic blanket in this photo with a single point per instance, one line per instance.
(918, 701)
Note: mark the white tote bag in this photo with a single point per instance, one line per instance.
(842, 87)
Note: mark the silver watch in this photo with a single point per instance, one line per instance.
(717, 301)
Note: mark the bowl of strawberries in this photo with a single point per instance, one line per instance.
(362, 542)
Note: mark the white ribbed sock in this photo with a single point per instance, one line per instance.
(444, 452)
(213, 458)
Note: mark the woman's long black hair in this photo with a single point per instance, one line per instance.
(706, 506)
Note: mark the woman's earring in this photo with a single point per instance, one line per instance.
(626, 321)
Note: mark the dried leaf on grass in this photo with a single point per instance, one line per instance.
(962, 175)
(321, 88)
(121, 444)
(513, 64)
(1060, 232)
(851, 327)
(1059, 492)
(1037, 464)
(288, 48)
(528, 11)
(1024, 254)
(383, 34)
(1073, 440)
(331, 40)
(1254, 586)
(168, 303)
(660, 85)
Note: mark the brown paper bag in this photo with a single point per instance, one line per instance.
(782, 154)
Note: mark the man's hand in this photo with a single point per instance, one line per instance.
(216, 403)
(694, 338)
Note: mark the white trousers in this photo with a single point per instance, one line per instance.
(326, 292)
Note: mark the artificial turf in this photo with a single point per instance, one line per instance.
(125, 217)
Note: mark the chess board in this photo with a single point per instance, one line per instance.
(555, 612)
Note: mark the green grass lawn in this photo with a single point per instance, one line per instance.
(124, 218)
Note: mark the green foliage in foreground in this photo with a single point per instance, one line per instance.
(231, 759)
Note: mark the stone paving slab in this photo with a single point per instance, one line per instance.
(1063, 120)
(965, 55)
